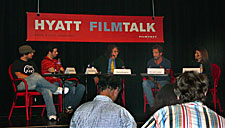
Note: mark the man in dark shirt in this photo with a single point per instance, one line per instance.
(108, 62)
(158, 61)
(26, 69)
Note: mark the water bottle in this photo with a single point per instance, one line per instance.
(59, 61)
(201, 68)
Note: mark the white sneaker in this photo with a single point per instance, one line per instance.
(52, 117)
(60, 89)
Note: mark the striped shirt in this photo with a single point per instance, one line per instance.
(186, 115)
(102, 113)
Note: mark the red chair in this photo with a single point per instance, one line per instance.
(172, 81)
(123, 93)
(172, 78)
(215, 73)
(145, 99)
(27, 94)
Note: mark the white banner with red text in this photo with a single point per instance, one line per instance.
(93, 28)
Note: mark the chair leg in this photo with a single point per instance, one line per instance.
(123, 95)
(214, 100)
(60, 103)
(31, 103)
(13, 105)
(218, 101)
(144, 106)
(97, 89)
(27, 106)
(145, 103)
(43, 110)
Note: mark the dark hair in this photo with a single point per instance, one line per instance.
(110, 82)
(164, 97)
(204, 54)
(110, 47)
(160, 48)
(50, 49)
(191, 86)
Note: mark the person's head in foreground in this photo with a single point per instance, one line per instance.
(110, 86)
(191, 91)
(191, 86)
(102, 112)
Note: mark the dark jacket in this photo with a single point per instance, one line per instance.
(101, 63)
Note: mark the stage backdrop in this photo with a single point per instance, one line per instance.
(93, 28)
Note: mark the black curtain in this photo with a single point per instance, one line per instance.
(187, 24)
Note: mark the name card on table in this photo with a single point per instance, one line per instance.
(91, 71)
(191, 69)
(155, 71)
(122, 71)
(70, 70)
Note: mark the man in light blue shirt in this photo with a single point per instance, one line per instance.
(102, 112)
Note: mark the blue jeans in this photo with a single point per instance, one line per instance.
(74, 96)
(147, 87)
(36, 82)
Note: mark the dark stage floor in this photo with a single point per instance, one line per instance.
(18, 120)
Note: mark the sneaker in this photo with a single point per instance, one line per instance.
(60, 89)
(69, 110)
(52, 118)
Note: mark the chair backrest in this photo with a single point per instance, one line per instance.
(11, 78)
(172, 78)
(215, 73)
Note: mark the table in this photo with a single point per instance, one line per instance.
(63, 77)
(153, 75)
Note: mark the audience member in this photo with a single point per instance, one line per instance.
(190, 90)
(102, 112)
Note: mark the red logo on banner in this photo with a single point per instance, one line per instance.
(93, 28)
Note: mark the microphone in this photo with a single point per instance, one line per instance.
(59, 61)
(113, 56)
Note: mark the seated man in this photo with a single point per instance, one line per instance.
(191, 90)
(102, 112)
(48, 65)
(108, 62)
(26, 69)
(157, 62)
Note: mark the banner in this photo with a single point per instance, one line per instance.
(93, 28)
